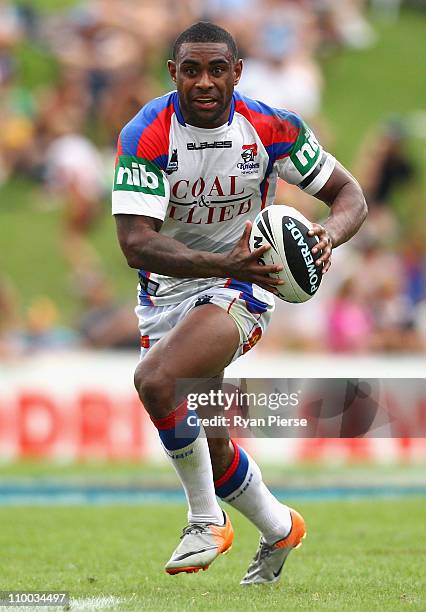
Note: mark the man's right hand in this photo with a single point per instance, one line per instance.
(243, 264)
(144, 247)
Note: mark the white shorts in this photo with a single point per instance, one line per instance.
(251, 308)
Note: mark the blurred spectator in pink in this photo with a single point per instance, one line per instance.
(349, 323)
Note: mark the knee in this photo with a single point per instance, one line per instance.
(155, 389)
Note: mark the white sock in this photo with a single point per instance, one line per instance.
(187, 448)
(243, 488)
(194, 468)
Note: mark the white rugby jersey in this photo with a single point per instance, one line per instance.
(205, 183)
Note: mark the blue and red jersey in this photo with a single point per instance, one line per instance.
(203, 184)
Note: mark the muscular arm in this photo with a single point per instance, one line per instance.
(348, 210)
(145, 248)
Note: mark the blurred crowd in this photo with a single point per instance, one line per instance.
(107, 59)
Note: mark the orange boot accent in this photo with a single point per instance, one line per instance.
(297, 532)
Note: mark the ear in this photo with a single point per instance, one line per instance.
(238, 68)
(171, 65)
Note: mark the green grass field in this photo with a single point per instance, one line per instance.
(161, 475)
(359, 555)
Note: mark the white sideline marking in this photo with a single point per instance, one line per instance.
(95, 603)
(90, 603)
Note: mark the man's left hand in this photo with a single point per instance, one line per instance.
(325, 245)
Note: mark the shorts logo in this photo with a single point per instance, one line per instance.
(203, 299)
(138, 174)
(249, 165)
(172, 166)
(306, 151)
(252, 340)
(149, 286)
(145, 342)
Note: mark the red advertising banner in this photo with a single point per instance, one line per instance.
(83, 406)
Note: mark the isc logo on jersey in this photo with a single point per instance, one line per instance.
(138, 174)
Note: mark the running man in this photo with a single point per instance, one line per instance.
(194, 167)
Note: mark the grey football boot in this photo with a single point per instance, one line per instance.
(269, 559)
(200, 544)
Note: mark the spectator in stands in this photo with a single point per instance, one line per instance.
(389, 164)
(110, 63)
(104, 322)
(43, 329)
(16, 103)
(393, 318)
(414, 263)
(17, 116)
(286, 81)
(419, 317)
(349, 322)
(11, 342)
(75, 172)
(11, 33)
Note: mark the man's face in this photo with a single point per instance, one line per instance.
(205, 75)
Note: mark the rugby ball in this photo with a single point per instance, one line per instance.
(286, 230)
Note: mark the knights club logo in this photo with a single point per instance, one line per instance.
(172, 166)
(249, 152)
(249, 165)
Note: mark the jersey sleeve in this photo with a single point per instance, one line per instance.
(140, 185)
(307, 165)
(140, 188)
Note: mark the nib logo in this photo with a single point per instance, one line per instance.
(138, 174)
